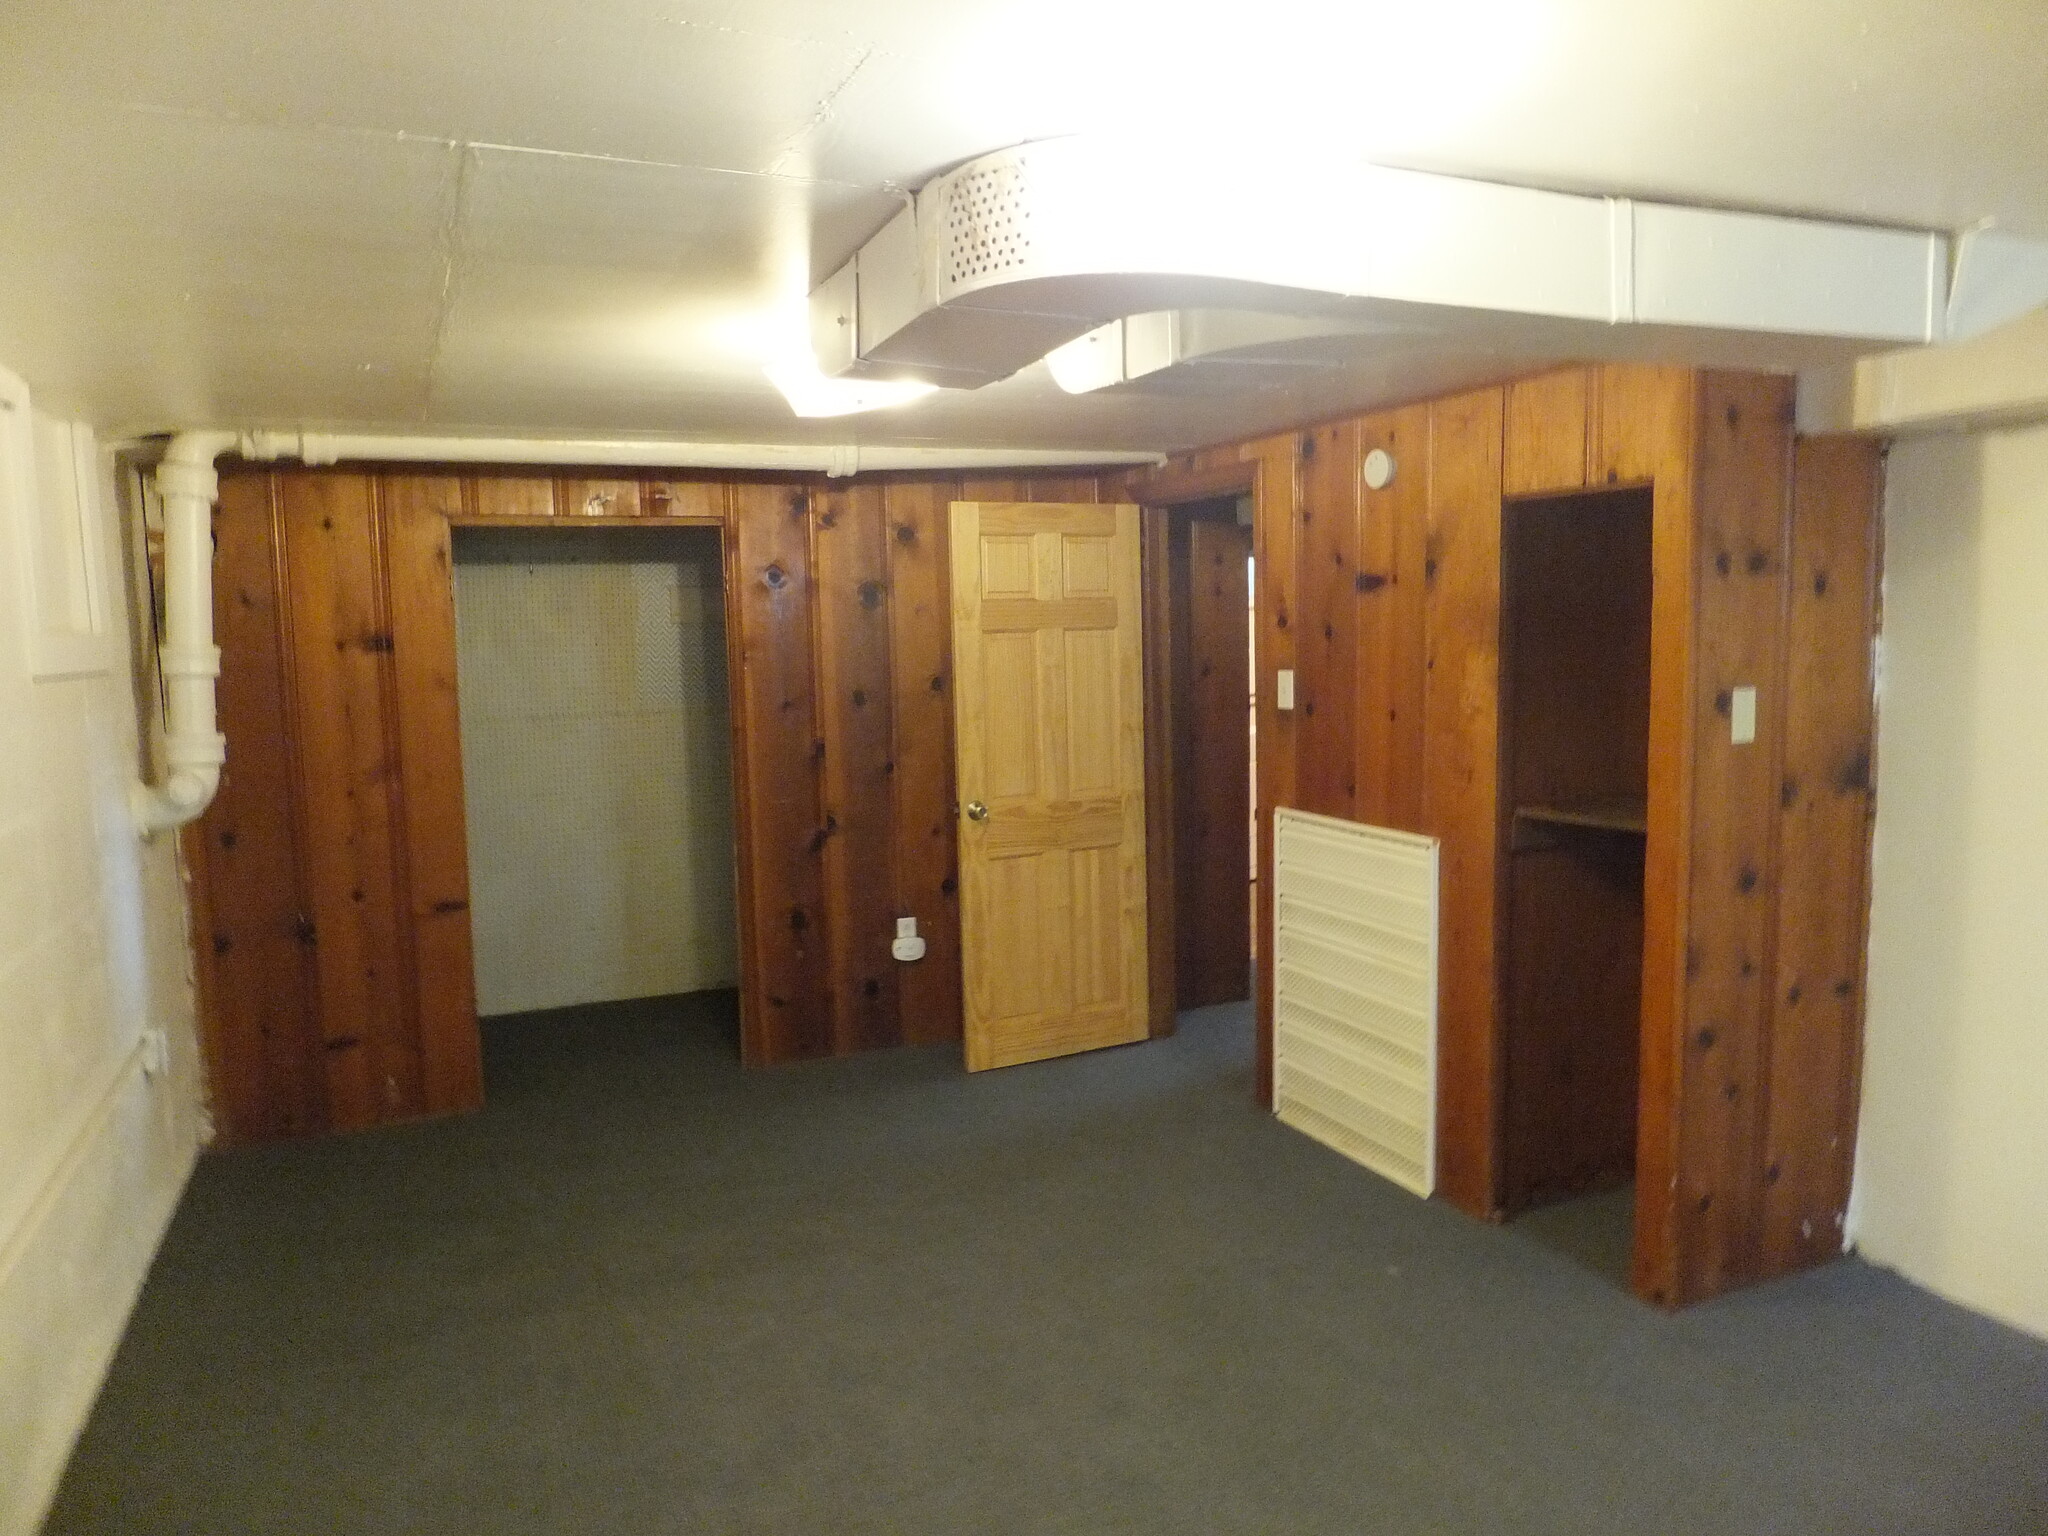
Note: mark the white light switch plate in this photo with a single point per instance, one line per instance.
(1283, 688)
(1742, 716)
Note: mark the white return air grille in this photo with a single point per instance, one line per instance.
(1354, 991)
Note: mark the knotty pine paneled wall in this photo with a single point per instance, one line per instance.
(330, 878)
(1387, 605)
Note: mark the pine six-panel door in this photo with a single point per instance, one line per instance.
(1050, 732)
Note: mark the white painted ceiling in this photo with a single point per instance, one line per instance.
(536, 216)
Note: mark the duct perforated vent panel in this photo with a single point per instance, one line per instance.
(988, 223)
(1354, 991)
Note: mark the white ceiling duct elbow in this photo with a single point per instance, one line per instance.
(1018, 254)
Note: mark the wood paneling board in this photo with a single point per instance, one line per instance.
(1327, 648)
(695, 499)
(1825, 805)
(1744, 443)
(257, 1008)
(1547, 432)
(1460, 785)
(850, 566)
(1641, 423)
(1393, 530)
(1162, 563)
(1274, 574)
(597, 498)
(1212, 781)
(1055, 487)
(420, 579)
(1646, 436)
(789, 980)
(921, 718)
(340, 641)
(510, 496)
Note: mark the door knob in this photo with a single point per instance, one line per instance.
(976, 811)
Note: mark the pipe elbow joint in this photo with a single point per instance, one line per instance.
(183, 797)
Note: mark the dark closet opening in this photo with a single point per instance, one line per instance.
(1202, 582)
(1576, 586)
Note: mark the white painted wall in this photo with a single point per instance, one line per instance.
(1952, 1155)
(597, 764)
(93, 1153)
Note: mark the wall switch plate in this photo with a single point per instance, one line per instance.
(1742, 716)
(1283, 688)
(907, 945)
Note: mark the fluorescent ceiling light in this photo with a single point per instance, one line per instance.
(810, 393)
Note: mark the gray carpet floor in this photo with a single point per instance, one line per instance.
(647, 1292)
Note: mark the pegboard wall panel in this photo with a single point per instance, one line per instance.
(597, 764)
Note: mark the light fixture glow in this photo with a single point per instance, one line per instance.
(810, 393)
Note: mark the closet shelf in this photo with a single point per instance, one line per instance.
(1608, 815)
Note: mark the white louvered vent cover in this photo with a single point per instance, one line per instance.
(1354, 991)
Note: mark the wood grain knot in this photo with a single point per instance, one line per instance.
(1855, 775)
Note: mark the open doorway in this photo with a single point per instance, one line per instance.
(1576, 589)
(597, 768)
(1200, 720)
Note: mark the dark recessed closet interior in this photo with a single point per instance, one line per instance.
(1576, 585)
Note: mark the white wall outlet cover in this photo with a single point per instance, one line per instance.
(908, 947)
(1742, 716)
(1283, 688)
(1379, 469)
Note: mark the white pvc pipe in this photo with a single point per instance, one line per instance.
(194, 748)
(188, 486)
(834, 460)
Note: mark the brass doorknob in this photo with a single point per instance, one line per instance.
(976, 811)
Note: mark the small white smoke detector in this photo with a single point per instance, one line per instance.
(1379, 469)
